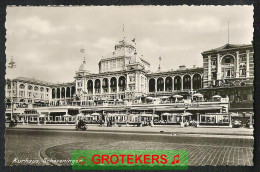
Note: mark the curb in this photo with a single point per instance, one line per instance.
(135, 132)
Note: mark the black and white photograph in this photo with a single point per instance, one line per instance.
(129, 78)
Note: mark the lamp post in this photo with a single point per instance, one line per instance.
(11, 65)
(192, 92)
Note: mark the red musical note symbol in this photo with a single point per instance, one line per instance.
(177, 161)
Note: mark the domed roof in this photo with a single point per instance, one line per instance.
(123, 48)
(124, 43)
(83, 66)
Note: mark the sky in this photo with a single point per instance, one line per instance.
(45, 42)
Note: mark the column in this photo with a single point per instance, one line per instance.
(237, 64)
(172, 83)
(247, 63)
(65, 92)
(55, 93)
(230, 124)
(93, 86)
(182, 82)
(117, 85)
(109, 85)
(191, 82)
(209, 68)
(60, 92)
(101, 90)
(219, 67)
(163, 84)
(155, 84)
(198, 119)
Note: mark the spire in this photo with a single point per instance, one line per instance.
(123, 32)
(12, 63)
(83, 51)
(159, 67)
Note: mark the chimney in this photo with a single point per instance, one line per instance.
(182, 67)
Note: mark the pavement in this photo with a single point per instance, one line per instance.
(174, 130)
(31, 146)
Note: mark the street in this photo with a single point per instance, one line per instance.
(27, 144)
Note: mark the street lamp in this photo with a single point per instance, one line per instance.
(11, 65)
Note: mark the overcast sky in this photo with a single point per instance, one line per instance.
(46, 41)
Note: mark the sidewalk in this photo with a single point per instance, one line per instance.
(155, 129)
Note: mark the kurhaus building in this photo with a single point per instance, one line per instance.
(125, 84)
(125, 75)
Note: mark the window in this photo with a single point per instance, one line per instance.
(242, 72)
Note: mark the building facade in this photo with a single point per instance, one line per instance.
(229, 71)
(125, 84)
(24, 91)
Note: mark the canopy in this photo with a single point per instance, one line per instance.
(81, 115)
(155, 115)
(167, 114)
(177, 96)
(121, 114)
(216, 96)
(164, 97)
(67, 115)
(95, 114)
(134, 115)
(88, 116)
(112, 114)
(186, 114)
(42, 115)
(144, 114)
(197, 95)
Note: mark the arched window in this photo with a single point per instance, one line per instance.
(187, 82)
(42, 89)
(227, 66)
(113, 84)
(168, 83)
(30, 87)
(105, 85)
(122, 83)
(196, 81)
(177, 83)
(97, 85)
(160, 84)
(152, 85)
(90, 86)
(53, 93)
(21, 86)
(36, 88)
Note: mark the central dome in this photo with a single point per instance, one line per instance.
(123, 48)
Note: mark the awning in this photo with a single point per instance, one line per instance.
(80, 115)
(146, 115)
(67, 115)
(42, 115)
(121, 114)
(177, 96)
(155, 115)
(186, 114)
(197, 95)
(216, 96)
(166, 114)
(164, 97)
(95, 114)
